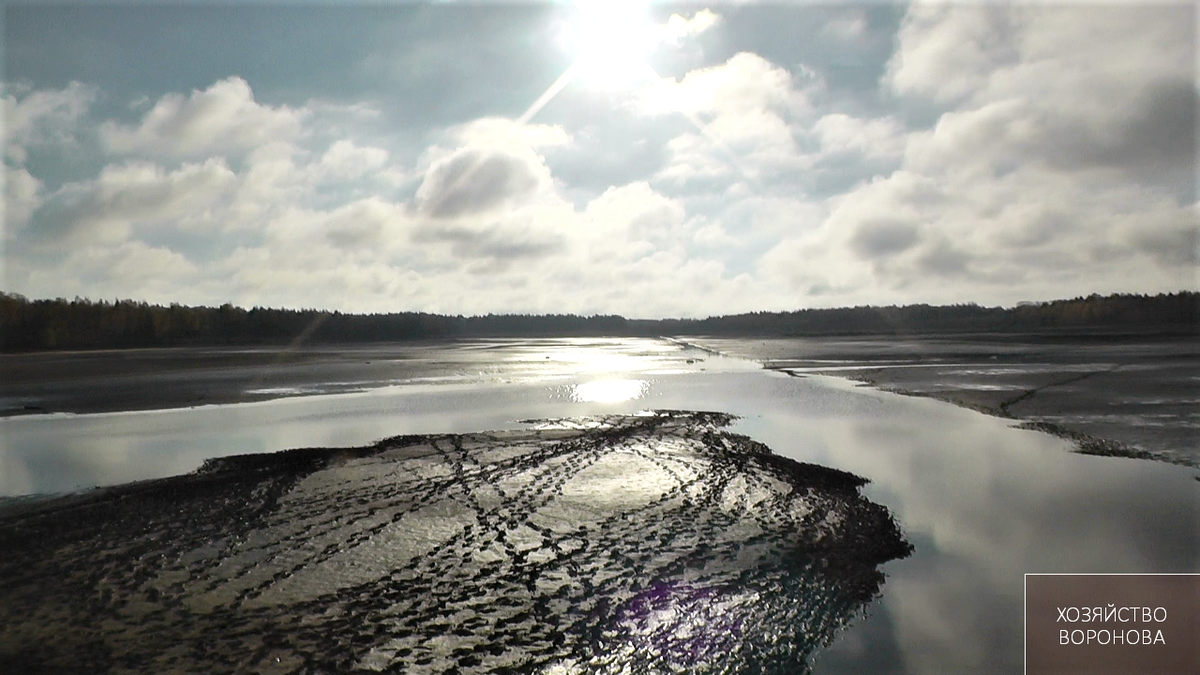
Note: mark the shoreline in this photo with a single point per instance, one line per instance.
(986, 399)
(1085, 444)
(166, 380)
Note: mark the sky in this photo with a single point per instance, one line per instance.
(649, 160)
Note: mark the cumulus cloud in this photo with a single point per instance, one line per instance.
(361, 229)
(40, 116)
(757, 123)
(219, 120)
(1027, 235)
(521, 236)
(948, 52)
(490, 200)
(1076, 88)
(1062, 164)
(714, 236)
(679, 26)
(135, 193)
(126, 269)
(620, 252)
(22, 195)
(873, 239)
(477, 180)
(746, 114)
(1012, 153)
(347, 161)
(745, 83)
(875, 138)
(634, 216)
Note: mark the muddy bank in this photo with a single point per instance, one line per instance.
(653, 542)
(1086, 444)
(1128, 397)
(157, 379)
(153, 379)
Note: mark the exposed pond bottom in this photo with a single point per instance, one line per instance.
(656, 542)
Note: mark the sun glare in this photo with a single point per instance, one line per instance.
(609, 391)
(611, 41)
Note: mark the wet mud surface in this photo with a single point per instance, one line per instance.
(154, 379)
(1126, 397)
(657, 542)
(150, 379)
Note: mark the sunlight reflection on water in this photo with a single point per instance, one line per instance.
(983, 503)
(609, 391)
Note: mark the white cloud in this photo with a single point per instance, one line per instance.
(133, 194)
(367, 230)
(323, 277)
(529, 234)
(22, 195)
(146, 266)
(713, 236)
(1060, 163)
(632, 221)
(125, 269)
(746, 112)
(745, 83)
(756, 123)
(876, 138)
(475, 181)
(285, 221)
(679, 27)
(220, 120)
(491, 200)
(40, 116)
(1072, 87)
(948, 51)
(1030, 234)
(1064, 164)
(346, 161)
(499, 132)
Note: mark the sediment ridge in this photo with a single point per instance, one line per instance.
(657, 542)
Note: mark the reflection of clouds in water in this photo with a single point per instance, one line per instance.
(1002, 503)
(84, 461)
(15, 478)
(609, 391)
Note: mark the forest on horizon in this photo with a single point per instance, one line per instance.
(59, 324)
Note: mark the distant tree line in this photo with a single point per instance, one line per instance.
(1120, 313)
(29, 325)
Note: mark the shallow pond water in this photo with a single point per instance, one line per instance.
(1140, 393)
(981, 502)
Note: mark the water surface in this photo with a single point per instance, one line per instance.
(982, 503)
(1133, 395)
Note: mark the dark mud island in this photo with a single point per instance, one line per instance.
(657, 542)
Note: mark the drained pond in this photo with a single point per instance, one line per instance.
(546, 506)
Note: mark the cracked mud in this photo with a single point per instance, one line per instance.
(658, 542)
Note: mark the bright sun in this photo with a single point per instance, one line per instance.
(612, 40)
